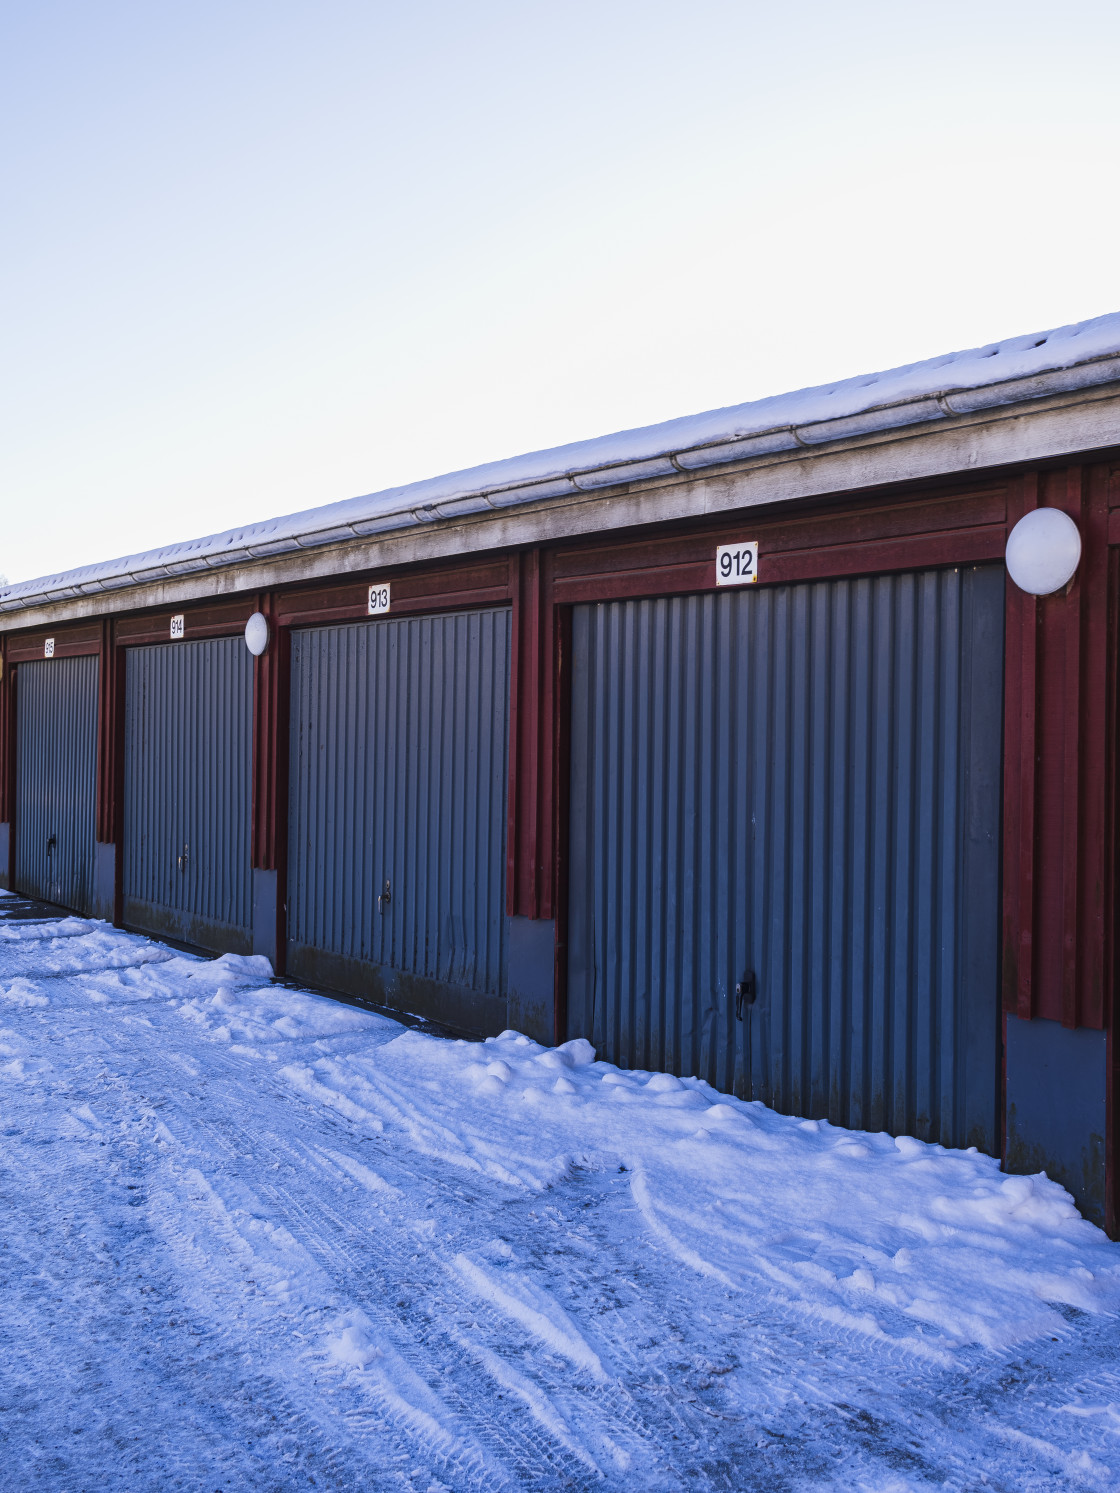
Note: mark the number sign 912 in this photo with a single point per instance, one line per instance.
(737, 564)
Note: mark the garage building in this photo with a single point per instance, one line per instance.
(729, 743)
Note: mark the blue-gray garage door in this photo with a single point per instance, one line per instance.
(187, 792)
(798, 785)
(56, 780)
(397, 823)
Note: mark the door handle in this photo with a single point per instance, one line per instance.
(746, 992)
(184, 858)
(385, 897)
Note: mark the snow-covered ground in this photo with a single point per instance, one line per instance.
(251, 1238)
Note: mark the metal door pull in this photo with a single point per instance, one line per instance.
(745, 993)
(385, 898)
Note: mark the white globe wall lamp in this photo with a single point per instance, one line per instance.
(1043, 551)
(256, 634)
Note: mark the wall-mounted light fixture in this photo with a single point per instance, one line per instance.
(256, 634)
(1043, 551)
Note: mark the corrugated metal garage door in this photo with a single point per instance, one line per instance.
(56, 780)
(399, 733)
(187, 792)
(803, 782)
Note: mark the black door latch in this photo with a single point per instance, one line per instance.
(745, 993)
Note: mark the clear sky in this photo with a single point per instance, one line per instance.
(260, 256)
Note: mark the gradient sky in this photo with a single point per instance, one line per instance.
(256, 257)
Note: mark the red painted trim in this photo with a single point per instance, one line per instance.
(562, 755)
(1110, 986)
(544, 860)
(1070, 729)
(7, 733)
(8, 757)
(1020, 686)
(10, 769)
(271, 712)
(1092, 928)
(531, 831)
(522, 837)
(442, 588)
(516, 705)
(209, 622)
(914, 535)
(289, 615)
(26, 648)
(271, 693)
(113, 707)
(676, 577)
(109, 734)
(1056, 725)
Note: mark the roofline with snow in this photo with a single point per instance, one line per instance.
(962, 430)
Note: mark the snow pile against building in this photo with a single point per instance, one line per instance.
(293, 1238)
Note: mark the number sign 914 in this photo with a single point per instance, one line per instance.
(737, 564)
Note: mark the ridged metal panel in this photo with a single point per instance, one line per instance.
(803, 782)
(56, 780)
(187, 786)
(399, 743)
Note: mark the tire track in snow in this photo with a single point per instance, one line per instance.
(671, 1339)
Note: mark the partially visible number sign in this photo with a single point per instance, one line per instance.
(737, 564)
(178, 626)
(378, 599)
(48, 647)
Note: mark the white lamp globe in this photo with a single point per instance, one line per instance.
(256, 634)
(1043, 551)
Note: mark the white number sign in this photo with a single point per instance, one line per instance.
(378, 599)
(737, 564)
(178, 626)
(48, 647)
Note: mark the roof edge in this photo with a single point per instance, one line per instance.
(1095, 376)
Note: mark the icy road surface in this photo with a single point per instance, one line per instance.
(251, 1238)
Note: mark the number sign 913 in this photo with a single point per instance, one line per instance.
(378, 599)
(737, 564)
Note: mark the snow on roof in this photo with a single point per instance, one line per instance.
(1021, 368)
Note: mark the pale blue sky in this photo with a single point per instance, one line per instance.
(257, 257)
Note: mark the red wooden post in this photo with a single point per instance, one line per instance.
(1110, 985)
(1021, 645)
(1070, 723)
(1093, 929)
(530, 858)
(562, 752)
(110, 722)
(8, 757)
(1055, 940)
(110, 767)
(270, 757)
(269, 832)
